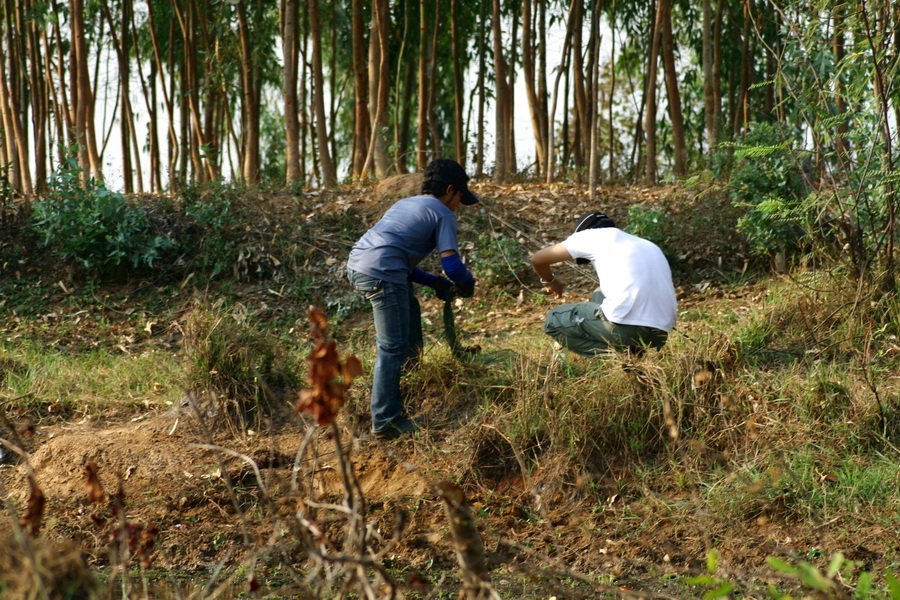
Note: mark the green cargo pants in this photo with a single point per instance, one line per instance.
(582, 328)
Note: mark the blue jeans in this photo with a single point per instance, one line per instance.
(398, 339)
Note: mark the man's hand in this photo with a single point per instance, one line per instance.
(444, 289)
(556, 287)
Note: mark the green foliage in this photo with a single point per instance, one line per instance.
(649, 223)
(767, 180)
(494, 257)
(211, 220)
(99, 229)
(714, 586)
(839, 574)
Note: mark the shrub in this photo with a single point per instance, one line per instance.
(495, 258)
(649, 223)
(211, 218)
(93, 226)
(767, 180)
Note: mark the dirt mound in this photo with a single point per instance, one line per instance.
(183, 484)
(398, 186)
(143, 453)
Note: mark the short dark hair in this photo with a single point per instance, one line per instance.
(441, 173)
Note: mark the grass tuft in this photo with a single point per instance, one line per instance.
(241, 370)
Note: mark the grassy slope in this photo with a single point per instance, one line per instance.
(768, 425)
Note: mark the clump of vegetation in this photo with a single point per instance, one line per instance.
(766, 179)
(238, 369)
(495, 257)
(649, 223)
(210, 242)
(32, 568)
(98, 229)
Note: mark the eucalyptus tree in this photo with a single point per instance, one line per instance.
(329, 172)
(290, 44)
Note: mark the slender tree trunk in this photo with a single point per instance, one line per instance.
(172, 144)
(841, 145)
(8, 114)
(594, 170)
(709, 111)
(422, 131)
(563, 68)
(482, 65)
(888, 281)
(361, 124)
(57, 92)
(566, 121)
(542, 91)
(717, 70)
(191, 87)
(379, 80)
(746, 72)
(84, 122)
(501, 166)
(250, 106)
(329, 173)
(650, 116)
(459, 141)
(511, 160)
(305, 127)
(535, 106)
(126, 122)
(290, 51)
(673, 95)
(612, 91)
(436, 147)
(581, 134)
(409, 84)
(40, 92)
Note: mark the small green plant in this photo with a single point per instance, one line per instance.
(838, 576)
(496, 258)
(211, 217)
(714, 586)
(649, 223)
(96, 228)
(767, 180)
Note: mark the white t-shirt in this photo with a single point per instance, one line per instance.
(635, 277)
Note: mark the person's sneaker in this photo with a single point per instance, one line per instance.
(396, 428)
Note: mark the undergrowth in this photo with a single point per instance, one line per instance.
(777, 408)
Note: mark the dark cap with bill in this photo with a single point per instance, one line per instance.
(593, 220)
(445, 170)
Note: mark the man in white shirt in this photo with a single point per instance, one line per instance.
(634, 307)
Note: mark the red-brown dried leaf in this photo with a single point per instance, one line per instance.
(328, 377)
(94, 487)
(34, 509)
(318, 319)
(352, 369)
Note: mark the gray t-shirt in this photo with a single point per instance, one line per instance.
(408, 232)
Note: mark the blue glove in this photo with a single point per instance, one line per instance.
(457, 271)
(443, 288)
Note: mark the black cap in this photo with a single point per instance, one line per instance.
(445, 170)
(592, 220)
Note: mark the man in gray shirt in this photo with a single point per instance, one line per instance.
(382, 266)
